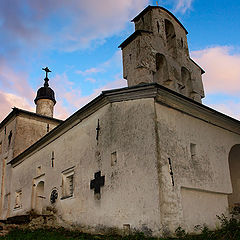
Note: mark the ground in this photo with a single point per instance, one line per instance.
(230, 230)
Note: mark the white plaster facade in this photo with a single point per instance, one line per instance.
(165, 160)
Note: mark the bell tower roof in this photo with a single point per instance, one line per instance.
(149, 8)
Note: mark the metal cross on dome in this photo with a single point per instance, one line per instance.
(47, 70)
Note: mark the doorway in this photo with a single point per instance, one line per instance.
(234, 166)
(39, 197)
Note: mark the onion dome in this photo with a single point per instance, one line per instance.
(45, 92)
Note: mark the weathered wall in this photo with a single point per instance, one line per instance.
(21, 132)
(7, 142)
(140, 63)
(29, 130)
(201, 168)
(130, 194)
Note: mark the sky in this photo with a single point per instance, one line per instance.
(78, 41)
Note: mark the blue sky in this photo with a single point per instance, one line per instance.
(78, 41)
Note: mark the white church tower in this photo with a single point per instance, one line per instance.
(158, 52)
(45, 99)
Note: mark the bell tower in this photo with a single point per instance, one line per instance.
(45, 99)
(158, 52)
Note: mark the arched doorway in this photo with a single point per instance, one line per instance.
(234, 167)
(39, 197)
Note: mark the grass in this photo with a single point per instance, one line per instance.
(230, 230)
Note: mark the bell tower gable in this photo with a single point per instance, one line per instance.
(158, 52)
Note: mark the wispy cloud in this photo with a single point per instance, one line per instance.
(92, 80)
(102, 67)
(78, 22)
(183, 5)
(78, 101)
(89, 71)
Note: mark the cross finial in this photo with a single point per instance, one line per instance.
(47, 70)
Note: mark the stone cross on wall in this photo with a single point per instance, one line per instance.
(97, 182)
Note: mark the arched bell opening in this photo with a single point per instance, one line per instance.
(170, 38)
(185, 85)
(161, 75)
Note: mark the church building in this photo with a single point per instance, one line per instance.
(149, 157)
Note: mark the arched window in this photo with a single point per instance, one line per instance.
(170, 37)
(185, 86)
(161, 74)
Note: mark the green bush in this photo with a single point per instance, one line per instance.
(230, 230)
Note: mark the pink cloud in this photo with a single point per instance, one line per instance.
(8, 101)
(79, 101)
(60, 111)
(15, 81)
(222, 70)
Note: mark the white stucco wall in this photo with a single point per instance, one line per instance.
(131, 192)
(206, 171)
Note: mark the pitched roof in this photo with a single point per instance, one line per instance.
(16, 111)
(149, 8)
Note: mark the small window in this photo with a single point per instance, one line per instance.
(193, 149)
(113, 158)
(18, 199)
(67, 183)
(9, 138)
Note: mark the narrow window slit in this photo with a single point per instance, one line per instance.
(193, 150)
(170, 170)
(158, 27)
(9, 138)
(52, 163)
